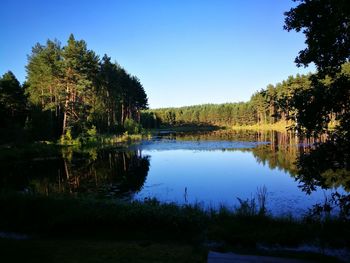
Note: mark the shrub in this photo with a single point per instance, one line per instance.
(132, 127)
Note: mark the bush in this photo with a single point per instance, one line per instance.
(67, 139)
(132, 127)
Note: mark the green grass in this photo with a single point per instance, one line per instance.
(278, 126)
(53, 149)
(103, 139)
(186, 128)
(83, 217)
(281, 126)
(66, 216)
(66, 229)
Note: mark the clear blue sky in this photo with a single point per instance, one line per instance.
(184, 52)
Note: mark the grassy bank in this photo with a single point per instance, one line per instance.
(48, 149)
(102, 139)
(90, 218)
(185, 128)
(281, 126)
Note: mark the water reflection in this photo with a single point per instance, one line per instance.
(212, 168)
(232, 166)
(104, 173)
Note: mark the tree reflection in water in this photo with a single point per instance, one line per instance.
(122, 173)
(314, 163)
(327, 165)
(102, 173)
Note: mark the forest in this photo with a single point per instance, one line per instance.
(69, 91)
(276, 103)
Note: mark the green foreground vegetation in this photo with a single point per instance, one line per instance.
(248, 224)
(168, 230)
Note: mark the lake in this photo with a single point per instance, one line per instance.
(208, 168)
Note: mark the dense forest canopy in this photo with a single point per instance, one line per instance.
(276, 103)
(70, 90)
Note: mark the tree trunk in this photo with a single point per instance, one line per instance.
(65, 111)
(138, 116)
(122, 115)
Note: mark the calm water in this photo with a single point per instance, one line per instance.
(212, 169)
(215, 171)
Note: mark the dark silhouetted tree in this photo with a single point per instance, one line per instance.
(12, 106)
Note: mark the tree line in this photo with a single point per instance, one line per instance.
(69, 90)
(275, 103)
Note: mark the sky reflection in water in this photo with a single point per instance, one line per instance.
(217, 172)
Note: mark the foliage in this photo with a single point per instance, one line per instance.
(132, 127)
(151, 220)
(246, 207)
(67, 139)
(325, 24)
(69, 90)
(12, 107)
(250, 207)
(273, 105)
(115, 219)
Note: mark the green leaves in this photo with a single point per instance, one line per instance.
(325, 24)
(12, 107)
(77, 90)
